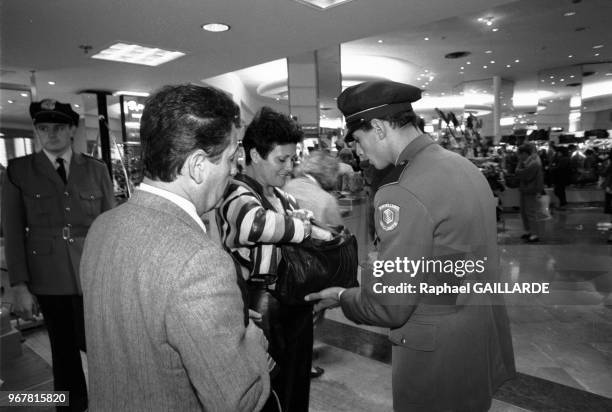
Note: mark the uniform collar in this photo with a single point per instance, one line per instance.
(413, 148)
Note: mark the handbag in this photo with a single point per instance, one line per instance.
(315, 264)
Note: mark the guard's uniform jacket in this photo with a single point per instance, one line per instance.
(45, 221)
(450, 351)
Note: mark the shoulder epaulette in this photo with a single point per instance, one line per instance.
(93, 158)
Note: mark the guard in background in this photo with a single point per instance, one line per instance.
(49, 200)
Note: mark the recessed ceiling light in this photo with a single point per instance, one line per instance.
(516, 61)
(572, 76)
(569, 13)
(77, 105)
(52, 83)
(489, 51)
(461, 72)
(23, 94)
(461, 67)
(216, 27)
(598, 46)
(322, 4)
(485, 66)
(442, 93)
(552, 82)
(492, 61)
(561, 80)
(380, 41)
(468, 62)
(507, 65)
(11, 101)
(552, 77)
(570, 56)
(137, 54)
(495, 29)
(596, 54)
(426, 38)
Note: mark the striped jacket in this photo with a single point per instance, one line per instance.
(250, 227)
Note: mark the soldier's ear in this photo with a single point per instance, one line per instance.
(379, 128)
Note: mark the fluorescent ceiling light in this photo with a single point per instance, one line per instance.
(322, 4)
(136, 54)
(129, 93)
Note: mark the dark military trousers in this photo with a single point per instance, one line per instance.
(64, 321)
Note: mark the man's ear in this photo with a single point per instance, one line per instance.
(379, 128)
(197, 164)
(255, 157)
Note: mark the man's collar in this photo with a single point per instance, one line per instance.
(413, 148)
(67, 155)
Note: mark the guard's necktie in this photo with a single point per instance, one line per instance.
(61, 170)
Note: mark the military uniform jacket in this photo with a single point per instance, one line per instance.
(45, 221)
(450, 351)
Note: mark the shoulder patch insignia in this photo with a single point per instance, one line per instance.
(389, 216)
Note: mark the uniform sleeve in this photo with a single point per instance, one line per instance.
(13, 226)
(247, 223)
(205, 323)
(405, 229)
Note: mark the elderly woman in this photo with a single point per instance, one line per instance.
(317, 175)
(254, 217)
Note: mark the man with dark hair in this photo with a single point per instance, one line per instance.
(253, 218)
(451, 350)
(165, 319)
(49, 200)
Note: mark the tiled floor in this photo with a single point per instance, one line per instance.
(562, 343)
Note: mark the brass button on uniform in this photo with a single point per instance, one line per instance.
(37, 195)
(34, 252)
(66, 194)
(71, 240)
(68, 209)
(91, 197)
(403, 341)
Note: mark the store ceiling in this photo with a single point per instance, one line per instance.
(45, 35)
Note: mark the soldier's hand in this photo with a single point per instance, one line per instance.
(24, 305)
(327, 298)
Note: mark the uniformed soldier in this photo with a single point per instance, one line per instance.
(451, 350)
(49, 200)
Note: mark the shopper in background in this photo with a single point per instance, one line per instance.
(49, 200)
(606, 184)
(164, 315)
(314, 178)
(531, 187)
(433, 205)
(254, 217)
(561, 174)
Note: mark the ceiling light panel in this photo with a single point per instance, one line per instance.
(323, 4)
(137, 54)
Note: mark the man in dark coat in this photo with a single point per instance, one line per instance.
(453, 349)
(49, 200)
